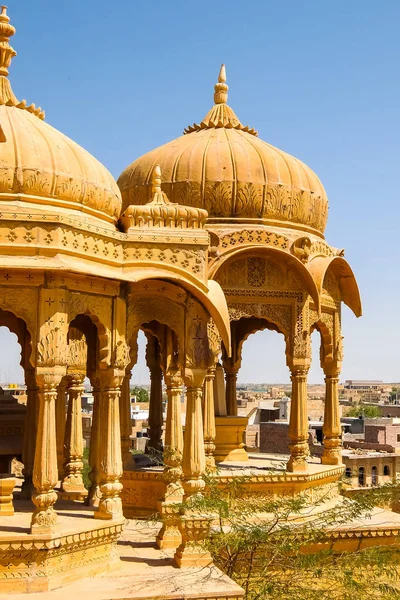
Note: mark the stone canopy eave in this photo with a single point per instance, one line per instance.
(350, 293)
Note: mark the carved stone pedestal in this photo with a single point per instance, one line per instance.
(193, 552)
(169, 535)
(7, 485)
(229, 443)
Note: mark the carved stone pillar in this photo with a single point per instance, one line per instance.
(109, 446)
(332, 430)
(193, 459)
(209, 418)
(60, 426)
(154, 443)
(72, 483)
(45, 474)
(94, 494)
(173, 427)
(169, 535)
(298, 423)
(30, 429)
(125, 416)
(231, 371)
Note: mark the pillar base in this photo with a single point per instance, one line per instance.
(332, 457)
(192, 552)
(78, 495)
(297, 465)
(169, 535)
(229, 439)
(7, 485)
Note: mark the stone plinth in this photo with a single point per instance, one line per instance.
(144, 488)
(80, 546)
(7, 485)
(229, 441)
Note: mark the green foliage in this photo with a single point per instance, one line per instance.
(364, 410)
(280, 549)
(140, 393)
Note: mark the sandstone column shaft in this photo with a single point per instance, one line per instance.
(193, 461)
(231, 400)
(125, 416)
(45, 474)
(60, 427)
(154, 442)
(30, 430)
(110, 457)
(332, 430)
(298, 424)
(173, 425)
(73, 446)
(94, 490)
(209, 417)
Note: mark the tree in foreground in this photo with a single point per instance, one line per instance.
(280, 549)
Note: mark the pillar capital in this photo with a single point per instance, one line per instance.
(108, 379)
(194, 377)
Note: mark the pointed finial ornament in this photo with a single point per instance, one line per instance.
(221, 115)
(221, 89)
(156, 180)
(7, 52)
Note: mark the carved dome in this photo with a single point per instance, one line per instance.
(224, 167)
(41, 166)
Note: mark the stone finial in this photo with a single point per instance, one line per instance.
(161, 212)
(221, 89)
(6, 51)
(221, 115)
(156, 180)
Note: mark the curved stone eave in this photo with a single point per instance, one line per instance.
(350, 293)
(311, 286)
(212, 298)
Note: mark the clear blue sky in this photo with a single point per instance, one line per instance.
(319, 79)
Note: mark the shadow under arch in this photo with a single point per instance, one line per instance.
(97, 339)
(326, 341)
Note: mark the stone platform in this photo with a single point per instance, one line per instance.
(79, 546)
(143, 572)
(265, 473)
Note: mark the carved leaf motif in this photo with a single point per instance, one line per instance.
(219, 198)
(121, 355)
(77, 354)
(302, 345)
(47, 350)
(249, 198)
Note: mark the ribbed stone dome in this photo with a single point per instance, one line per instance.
(224, 167)
(41, 166)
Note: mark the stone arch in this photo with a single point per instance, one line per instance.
(98, 310)
(23, 304)
(291, 267)
(320, 267)
(326, 341)
(18, 326)
(208, 293)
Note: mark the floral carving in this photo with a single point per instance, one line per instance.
(121, 355)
